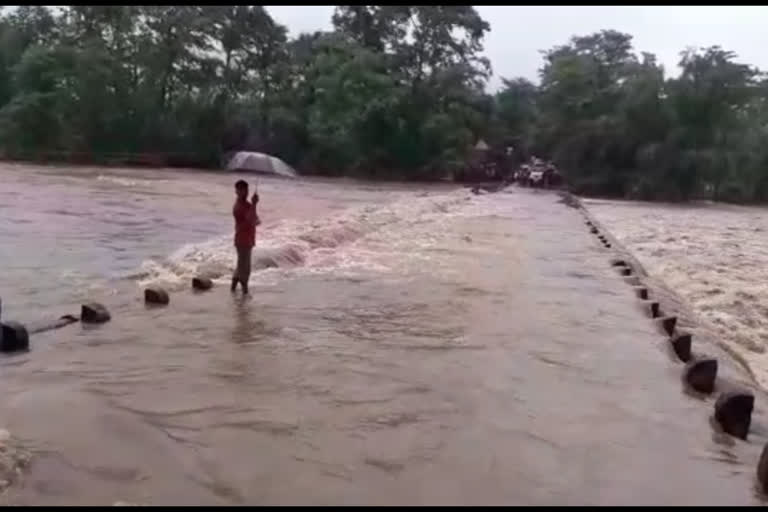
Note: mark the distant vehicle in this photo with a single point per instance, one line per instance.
(536, 178)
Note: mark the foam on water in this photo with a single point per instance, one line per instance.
(714, 256)
(314, 246)
(13, 459)
(126, 182)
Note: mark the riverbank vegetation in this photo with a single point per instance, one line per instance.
(390, 91)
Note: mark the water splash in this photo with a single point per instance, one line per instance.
(290, 243)
(710, 255)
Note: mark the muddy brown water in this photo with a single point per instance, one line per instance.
(714, 256)
(400, 346)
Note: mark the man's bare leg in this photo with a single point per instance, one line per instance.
(238, 271)
(245, 268)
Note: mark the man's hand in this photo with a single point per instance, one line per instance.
(255, 198)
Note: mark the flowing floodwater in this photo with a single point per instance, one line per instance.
(402, 345)
(715, 256)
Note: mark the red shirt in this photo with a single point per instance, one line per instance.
(245, 223)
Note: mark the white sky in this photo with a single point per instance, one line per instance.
(519, 32)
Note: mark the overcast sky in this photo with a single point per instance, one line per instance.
(518, 33)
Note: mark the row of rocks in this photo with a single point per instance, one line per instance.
(733, 408)
(14, 336)
(158, 296)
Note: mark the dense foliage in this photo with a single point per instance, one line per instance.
(391, 91)
(618, 127)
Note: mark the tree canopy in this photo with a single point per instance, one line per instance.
(391, 91)
(618, 127)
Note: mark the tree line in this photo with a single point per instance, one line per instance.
(393, 92)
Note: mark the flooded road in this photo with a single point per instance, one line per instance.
(713, 255)
(400, 346)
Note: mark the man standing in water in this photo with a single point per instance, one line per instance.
(246, 220)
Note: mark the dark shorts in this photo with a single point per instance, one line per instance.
(243, 267)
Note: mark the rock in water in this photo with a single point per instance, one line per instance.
(156, 295)
(650, 308)
(733, 411)
(701, 375)
(14, 337)
(667, 324)
(94, 313)
(202, 283)
(681, 344)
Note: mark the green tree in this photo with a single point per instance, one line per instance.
(391, 91)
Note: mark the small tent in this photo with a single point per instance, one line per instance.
(251, 161)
